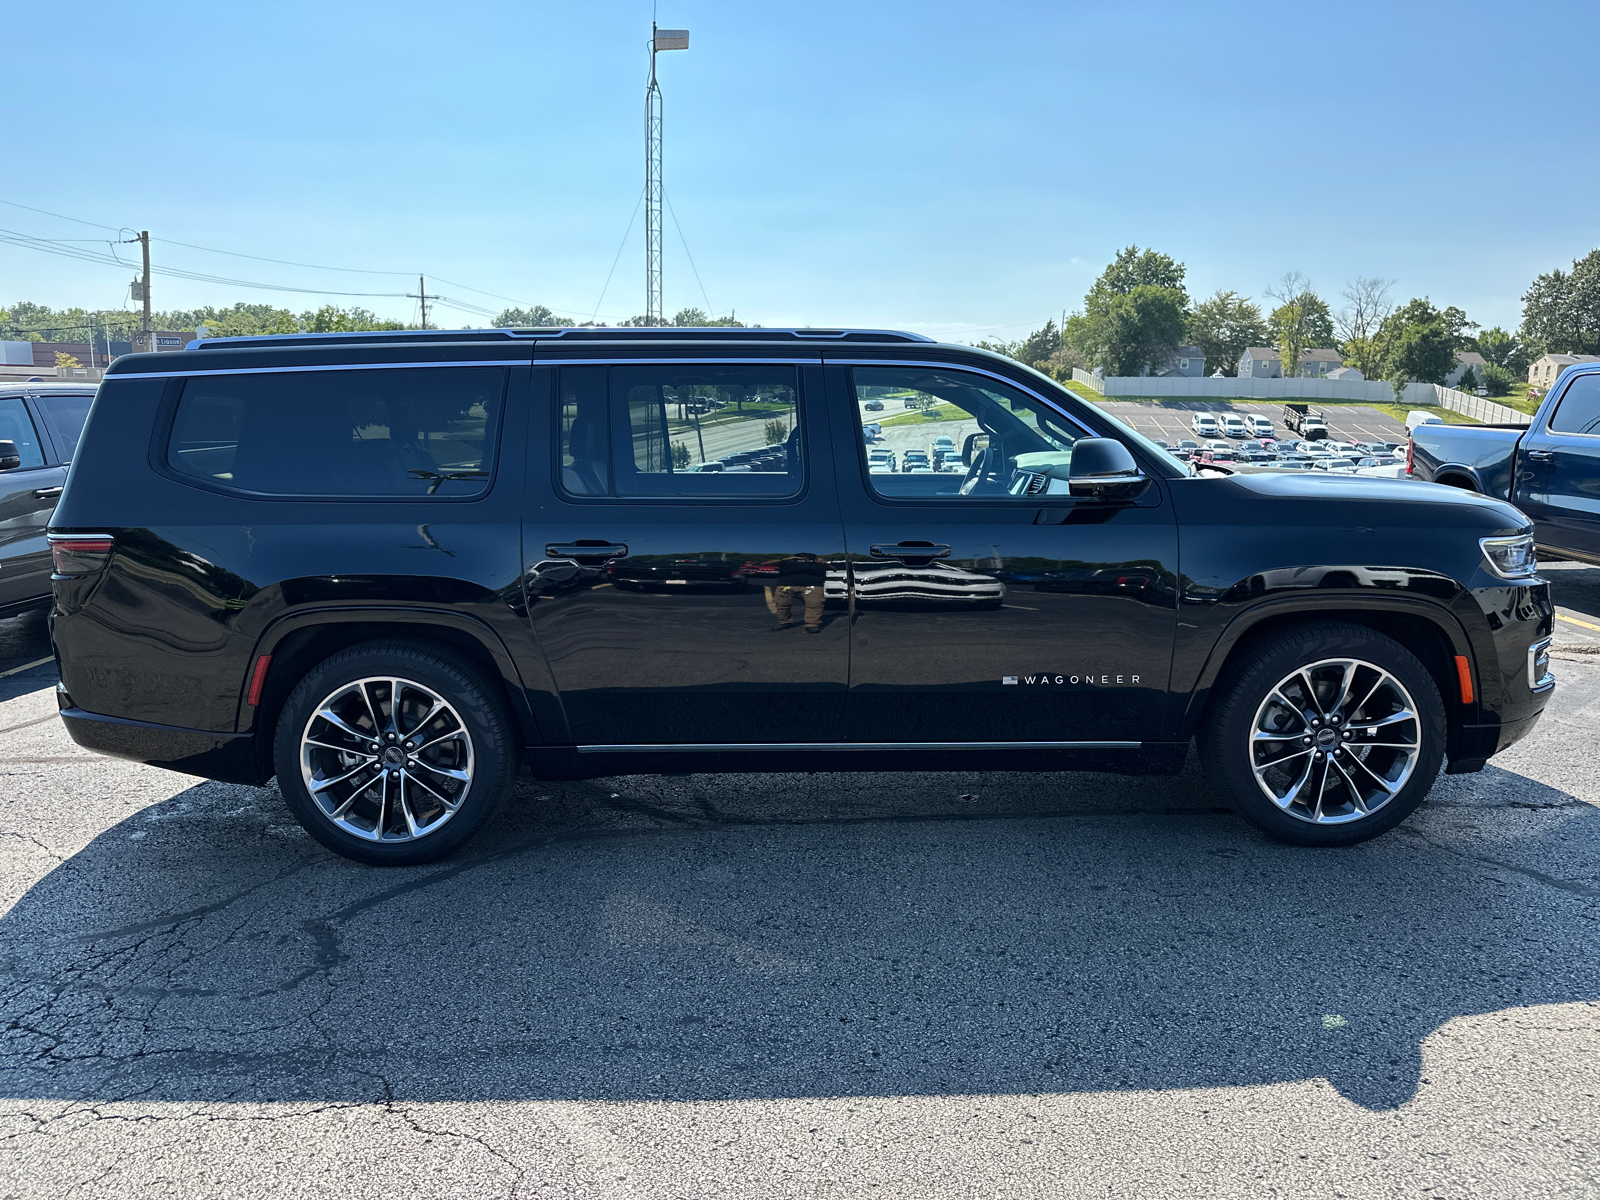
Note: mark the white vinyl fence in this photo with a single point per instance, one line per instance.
(1372, 391)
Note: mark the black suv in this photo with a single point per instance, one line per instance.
(388, 568)
(39, 427)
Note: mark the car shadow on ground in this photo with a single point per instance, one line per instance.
(706, 938)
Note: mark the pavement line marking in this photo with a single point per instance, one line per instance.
(42, 661)
(1575, 621)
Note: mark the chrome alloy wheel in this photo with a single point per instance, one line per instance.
(387, 760)
(1335, 741)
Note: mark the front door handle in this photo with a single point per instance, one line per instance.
(49, 493)
(587, 553)
(1535, 455)
(907, 550)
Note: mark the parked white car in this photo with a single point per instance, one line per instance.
(1418, 417)
(1261, 427)
(1233, 426)
(1204, 425)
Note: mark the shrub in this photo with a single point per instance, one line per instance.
(1498, 380)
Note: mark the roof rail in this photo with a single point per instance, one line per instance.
(584, 333)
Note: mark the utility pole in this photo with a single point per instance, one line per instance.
(147, 332)
(421, 297)
(660, 39)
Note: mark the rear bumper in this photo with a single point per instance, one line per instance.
(230, 757)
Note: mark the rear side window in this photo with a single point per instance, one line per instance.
(414, 431)
(686, 431)
(1579, 411)
(65, 416)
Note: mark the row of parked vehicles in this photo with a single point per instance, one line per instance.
(1327, 455)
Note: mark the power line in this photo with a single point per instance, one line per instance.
(686, 254)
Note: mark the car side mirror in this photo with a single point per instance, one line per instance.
(1103, 469)
(10, 460)
(971, 444)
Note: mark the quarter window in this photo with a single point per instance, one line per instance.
(65, 415)
(1579, 411)
(422, 431)
(681, 431)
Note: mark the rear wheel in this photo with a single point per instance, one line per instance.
(1332, 734)
(393, 753)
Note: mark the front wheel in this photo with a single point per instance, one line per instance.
(1332, 734)
(393, 753)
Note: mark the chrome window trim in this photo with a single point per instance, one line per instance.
(683, 747)
(614, 361)
(831, 361)
(389, 366)
(1555, 409)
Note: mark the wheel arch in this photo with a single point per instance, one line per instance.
(1428, 630)
(299, 641)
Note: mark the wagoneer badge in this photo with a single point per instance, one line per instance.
(1097, 680)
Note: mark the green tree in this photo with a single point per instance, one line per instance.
(1223, 326)
(680, 455)
(66, 360)
(1561, 310)
(1502, 349)
(1035, 350)
(776, 431)
(1302, 321)
(1424, 351)
(1497, 379)
(1452, 320)
(1134, 316)
(329, 319)
(1468, 381)
(695, 318)
(537, 317)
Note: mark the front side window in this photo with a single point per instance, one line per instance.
(16, 426)
(1579, 411)
(954, 434)
(391, 432)
(681, 431)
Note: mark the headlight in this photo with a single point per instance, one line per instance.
(1510, 557)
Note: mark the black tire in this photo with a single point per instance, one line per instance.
(1229, 751)
(487, 752)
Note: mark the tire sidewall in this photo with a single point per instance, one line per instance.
(1225, 747)
(492, 747)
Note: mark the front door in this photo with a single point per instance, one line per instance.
(980, 613)
(677, 564)
(27, 498)
(1558, 472)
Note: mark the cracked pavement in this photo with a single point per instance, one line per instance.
(937, 985)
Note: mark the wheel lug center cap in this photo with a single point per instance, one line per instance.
(1327, 737)
(393, 756)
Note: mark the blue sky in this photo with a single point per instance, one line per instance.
(963, 170)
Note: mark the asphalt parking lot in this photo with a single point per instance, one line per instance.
(919, 985)
(1168, 420)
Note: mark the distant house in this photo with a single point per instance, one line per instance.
(1189, 362)
(1466, 360)
(1348, 374)
(1548, 367)
(1261, 362)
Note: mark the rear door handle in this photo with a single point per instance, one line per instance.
(1535, 455)
(905, 550)
(586, 553)
(46, 493)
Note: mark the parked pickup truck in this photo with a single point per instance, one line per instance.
(1549, 468)
(1301, 420)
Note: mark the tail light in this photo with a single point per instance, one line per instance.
(1410, 448)
(80, 553)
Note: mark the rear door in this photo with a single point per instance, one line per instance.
(677, 561)
(27, 498)
(1558, 471)
(980, 616)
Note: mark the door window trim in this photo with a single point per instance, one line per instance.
(808, 409)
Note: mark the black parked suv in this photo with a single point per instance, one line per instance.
(388, 568)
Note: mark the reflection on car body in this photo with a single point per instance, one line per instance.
(675, 571)
(940, 584)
